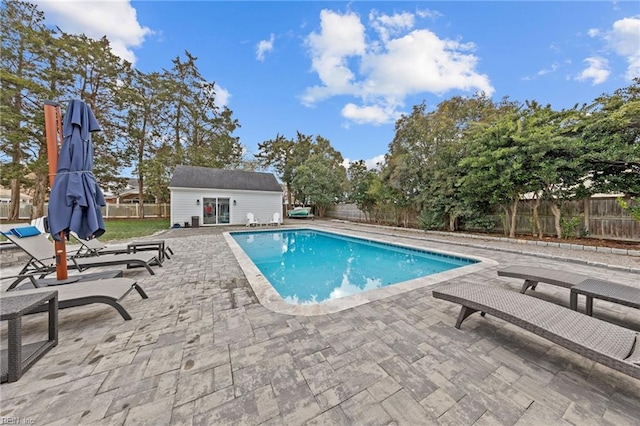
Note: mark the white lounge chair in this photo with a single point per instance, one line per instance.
(275, 220)
(251, 220)
(41, 224)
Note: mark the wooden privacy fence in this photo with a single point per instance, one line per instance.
(110, 211)
(602, 217)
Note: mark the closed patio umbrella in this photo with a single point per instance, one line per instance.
(75, 199)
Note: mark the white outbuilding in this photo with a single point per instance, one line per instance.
(203, 196)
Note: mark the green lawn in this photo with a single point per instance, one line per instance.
(125, 229)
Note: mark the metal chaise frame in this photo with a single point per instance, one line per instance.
(42, 259)
(108, 291)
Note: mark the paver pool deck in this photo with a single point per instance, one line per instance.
(203, 351)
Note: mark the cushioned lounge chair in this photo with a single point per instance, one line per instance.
(532, 275)
(108, 291)
(603, 342)
(42, 259)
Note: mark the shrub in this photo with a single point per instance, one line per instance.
(483, 222)
(430, 220)
(570, 226)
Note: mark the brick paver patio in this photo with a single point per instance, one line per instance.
(202, 350)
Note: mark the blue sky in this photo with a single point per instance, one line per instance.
(348, 70)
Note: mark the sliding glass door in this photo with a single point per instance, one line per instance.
(223, 210)
(215, 211)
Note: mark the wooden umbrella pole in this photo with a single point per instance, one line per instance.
(53, 133)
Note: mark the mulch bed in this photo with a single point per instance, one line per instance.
(625, 245)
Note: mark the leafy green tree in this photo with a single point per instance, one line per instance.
(449, 132)
(288, 156)
(320, 181)
(278, 154)
(497, 166)
(361, 181)
(403, 170)
(634, 211)
(320, 157)
(554, 164)
(403, 176)
(610, 131)
(285, 156)
(422, 164)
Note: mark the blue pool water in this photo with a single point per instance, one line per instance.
(307, 266)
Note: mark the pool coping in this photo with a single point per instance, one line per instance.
(270, 299)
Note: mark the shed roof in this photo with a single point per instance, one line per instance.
(206, 177)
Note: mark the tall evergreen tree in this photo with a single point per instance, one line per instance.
(23, 38)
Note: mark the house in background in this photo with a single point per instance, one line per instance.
(124, 191)
(5, 196)
(222, 197)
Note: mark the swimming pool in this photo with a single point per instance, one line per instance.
(309, 268)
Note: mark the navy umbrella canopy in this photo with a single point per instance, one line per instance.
(75, 199)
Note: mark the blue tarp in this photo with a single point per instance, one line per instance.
(75, 200)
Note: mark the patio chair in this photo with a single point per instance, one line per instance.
(251, 220)
(603, 342)
(275, 220)
(42, 259)
(108, 291)
(94, 247)
(42, 223)
(532, 275)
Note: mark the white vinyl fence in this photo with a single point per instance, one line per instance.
(112, 211)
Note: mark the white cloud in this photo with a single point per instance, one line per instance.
(381, 72)
(426, 13)
(371, 163)
(263, 47)
(115, 19)
(593, 32)
(341, 37)
(624, 38)
(554, 67)
(222, 96)
(388, 25)
(374, 114)
(421, 62)
(597, 71)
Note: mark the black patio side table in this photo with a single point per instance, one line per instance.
(17, 359)
(163, 251)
